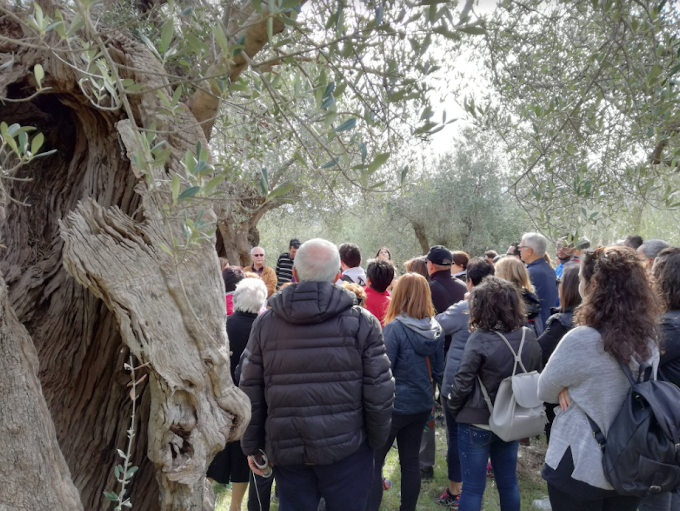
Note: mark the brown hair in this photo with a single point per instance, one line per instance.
(418, 265)
(620, 304)
(548, 260)
(667, 277)
(411, 296)
(461, 259)
(514, 271)
(496, 304)
(570, 297)
(357, 290)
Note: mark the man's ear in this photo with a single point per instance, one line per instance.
(338, 276)
(368, 281)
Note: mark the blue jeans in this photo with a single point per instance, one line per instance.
(453, 453)
(344, 484)
(476, 446)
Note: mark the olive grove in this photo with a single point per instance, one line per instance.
(139, 139)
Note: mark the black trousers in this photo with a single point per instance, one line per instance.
(408, 430)
(561, 501)
(259, 493)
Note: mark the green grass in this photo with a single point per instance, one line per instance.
(529, 465)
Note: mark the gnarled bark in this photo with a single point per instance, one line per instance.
(44, 470)
(84, 334)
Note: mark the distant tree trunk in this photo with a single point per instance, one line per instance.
(127, 295)
(419, 230)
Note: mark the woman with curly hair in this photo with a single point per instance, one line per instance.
(496, 313)
(616, 324)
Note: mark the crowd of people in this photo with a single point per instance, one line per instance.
(340, 362)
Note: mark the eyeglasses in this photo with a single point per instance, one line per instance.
(258, 255)
(523, 246)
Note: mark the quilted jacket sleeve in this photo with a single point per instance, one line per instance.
(378, 384)
(252, 383)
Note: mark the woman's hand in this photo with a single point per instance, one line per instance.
(564, 399)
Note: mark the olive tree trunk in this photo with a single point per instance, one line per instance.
(89, 282)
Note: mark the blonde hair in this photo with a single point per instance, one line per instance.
(514, 271)
(357, 290)
(411, 296)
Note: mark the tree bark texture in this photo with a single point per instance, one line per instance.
(43, 469)
(127, 295)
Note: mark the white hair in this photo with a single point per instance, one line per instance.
(317, 260)
(250, 295)
(536, 242)
(651, 248)
(255, 248)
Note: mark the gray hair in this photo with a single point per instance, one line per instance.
(651, 248)
(255, 248)
(317, 260)
(250, 295)
(536, 242)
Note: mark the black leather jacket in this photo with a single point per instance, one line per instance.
(487, 355)
(318, 378)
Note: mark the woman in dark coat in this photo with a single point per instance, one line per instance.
(666, 271)
(496, 312)
(562, 319)
(230, 464)
(415, 346)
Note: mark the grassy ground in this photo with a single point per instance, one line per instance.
(529, 466)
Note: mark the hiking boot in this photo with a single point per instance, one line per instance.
(542, 504)
(446, 499)
(427, 473)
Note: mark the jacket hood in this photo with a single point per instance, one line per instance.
(357, 275)
(429, 334)
(310, 303)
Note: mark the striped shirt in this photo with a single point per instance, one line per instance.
(284, 269)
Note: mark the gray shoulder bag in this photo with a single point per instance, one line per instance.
(517, 413)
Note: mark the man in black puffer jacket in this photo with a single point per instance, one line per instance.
(320, 386)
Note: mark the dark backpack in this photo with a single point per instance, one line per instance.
(641, 454)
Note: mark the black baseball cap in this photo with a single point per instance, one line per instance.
(294, 243)
(440, 255)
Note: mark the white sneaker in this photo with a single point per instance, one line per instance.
(543, 504)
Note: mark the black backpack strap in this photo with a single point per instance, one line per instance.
(597, 432)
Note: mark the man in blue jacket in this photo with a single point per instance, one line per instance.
(532, 251)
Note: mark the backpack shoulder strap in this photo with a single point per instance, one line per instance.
(448, 295)
(597, 432)
(487, 399)
(518, 355)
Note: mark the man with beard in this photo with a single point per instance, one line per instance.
(565, 253)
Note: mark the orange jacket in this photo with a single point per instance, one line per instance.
(268, 276)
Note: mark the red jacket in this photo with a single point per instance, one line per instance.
(377, 303)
